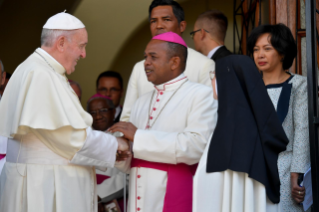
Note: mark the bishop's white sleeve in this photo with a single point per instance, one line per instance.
(204, 73)
(131, 95)
(82, 147)
(180, 147)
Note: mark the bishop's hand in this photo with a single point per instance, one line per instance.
(127, 128)
(123, 149)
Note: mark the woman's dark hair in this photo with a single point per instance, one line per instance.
(177, 9)
(280, 38)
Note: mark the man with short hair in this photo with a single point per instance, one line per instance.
(110, 83)
(52, 150)
(76, 88)
(169, 128)
(166, 16)
(209, 34)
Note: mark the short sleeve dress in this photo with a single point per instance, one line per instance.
(290, 100)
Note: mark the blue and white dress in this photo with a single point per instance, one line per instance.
(290, 100)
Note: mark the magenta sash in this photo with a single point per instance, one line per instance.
(2, 156)
(179, 188)
(100, 178)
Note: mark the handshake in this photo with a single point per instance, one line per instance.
(123, 149)
(128, 130)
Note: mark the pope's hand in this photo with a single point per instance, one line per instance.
(123, 150)
(127, 128)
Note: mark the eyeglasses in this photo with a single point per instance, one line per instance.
(212, 75)
(112, 90)
(193, 32)
(102, 112)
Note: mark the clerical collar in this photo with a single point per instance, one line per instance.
(212, 52)
(171, 84)
(53, 62)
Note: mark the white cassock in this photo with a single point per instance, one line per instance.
(178, 133)
(111, 187)
(111, 184)
(3, 151)
(197, 70)
(52, 150)
(228, 191)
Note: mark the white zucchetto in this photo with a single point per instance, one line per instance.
(63, 21)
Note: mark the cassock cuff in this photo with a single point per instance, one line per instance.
(98, 150)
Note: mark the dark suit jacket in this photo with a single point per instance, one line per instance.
(117, 119)
(248, 136)
(220, 53)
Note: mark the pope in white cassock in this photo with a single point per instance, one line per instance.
(169, 128)
(52, 150)
(166, 16)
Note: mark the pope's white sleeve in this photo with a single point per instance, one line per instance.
(99, 149)
(180, 147)
(204, 74)
(83, 146)
(131, 95)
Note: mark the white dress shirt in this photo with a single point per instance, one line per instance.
(212, 52)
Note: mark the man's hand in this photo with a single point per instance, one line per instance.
(127, 128)
(298, 193)
(123, 150)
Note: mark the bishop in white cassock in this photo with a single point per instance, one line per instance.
(169, 129)
(52, 150)
(166, 16)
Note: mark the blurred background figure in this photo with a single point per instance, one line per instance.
(110, 184)
(77, 88)
(3, 76)
(2, 87)
(110, 84)
(3, 140)
(274, 49)
(209, 34)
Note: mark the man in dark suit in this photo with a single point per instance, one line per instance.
(209, 34)
(110, 84)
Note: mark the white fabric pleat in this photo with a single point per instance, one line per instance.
(49, 188)
(228, 191)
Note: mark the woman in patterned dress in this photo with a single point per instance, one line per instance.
(274, 49)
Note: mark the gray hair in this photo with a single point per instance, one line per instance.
(1, 64)
(49, 36)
